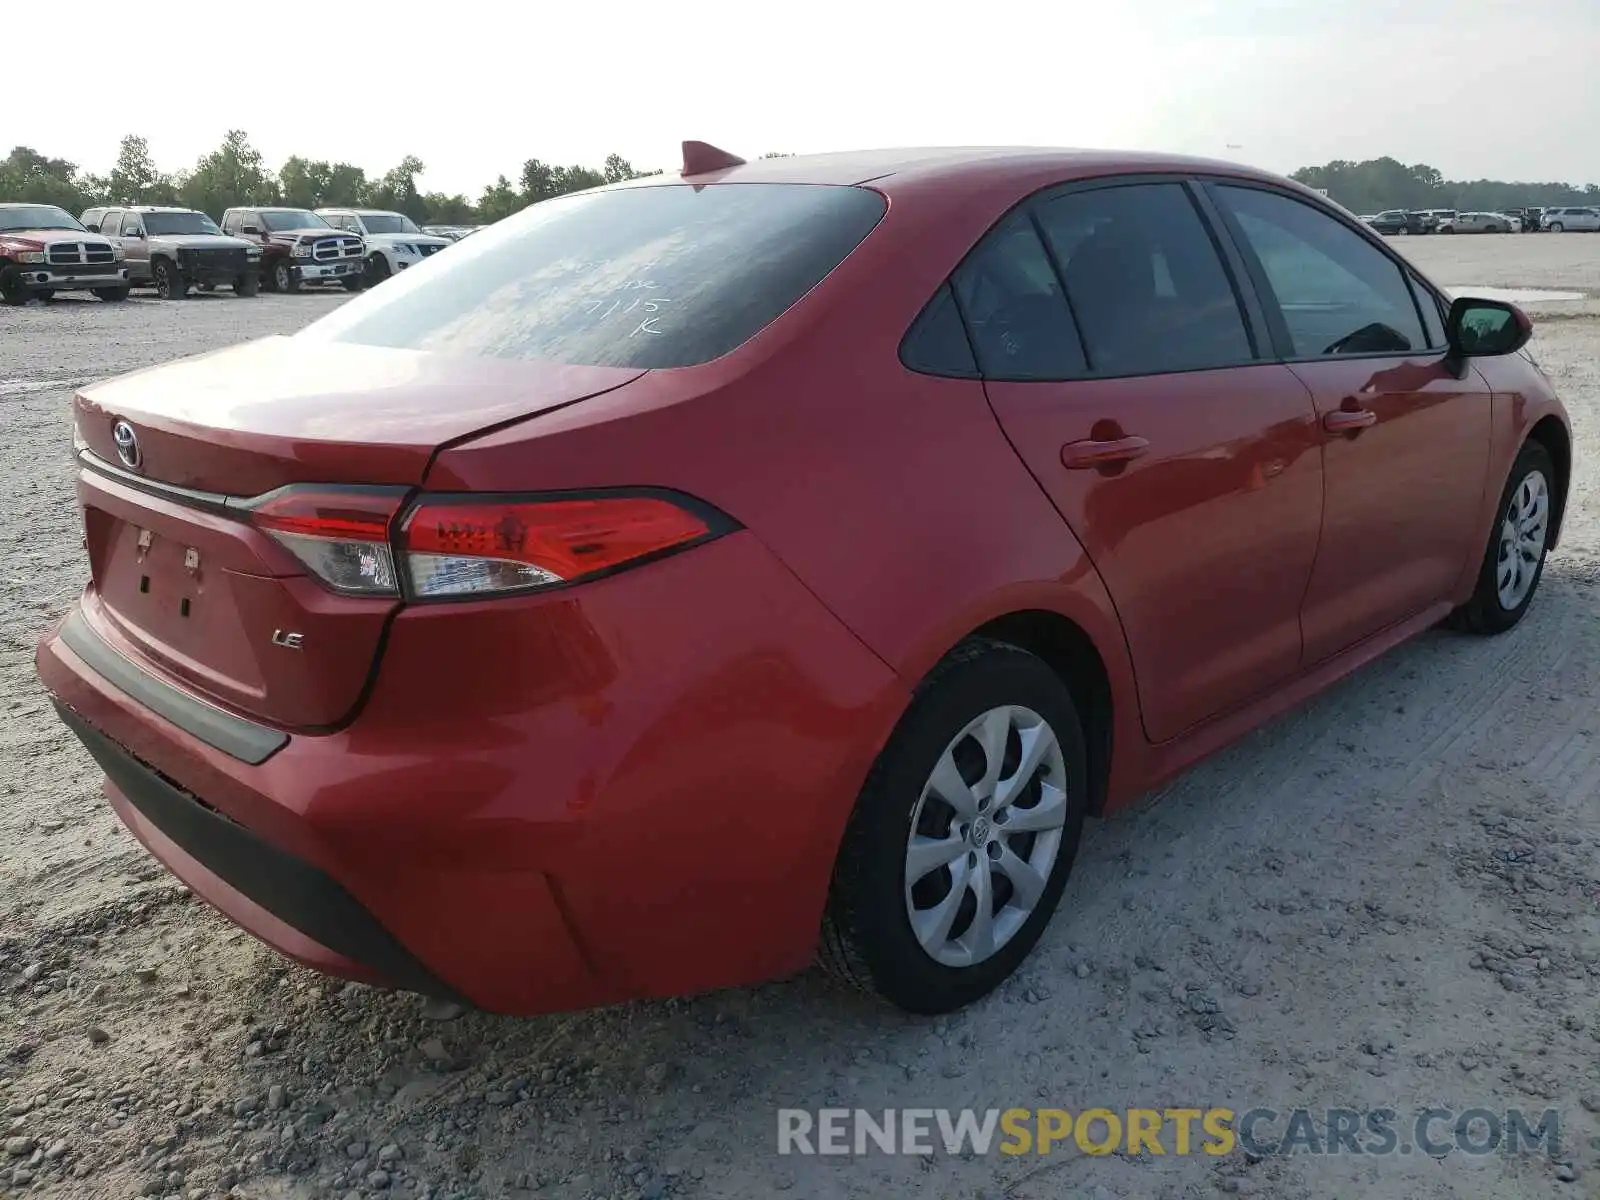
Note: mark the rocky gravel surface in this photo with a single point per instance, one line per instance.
(1390, 898)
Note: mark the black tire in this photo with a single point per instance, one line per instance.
(1556, 227)
(377, 269)
(1485, 613)
(208, 286)
(169, 280)
(352, 283)
(247, 284)
(45, 297)
(113, 295)
(12, 291)
(867, 939)
(284, 278)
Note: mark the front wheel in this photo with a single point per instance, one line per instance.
(1513, 563)
(12, 290)
(247, 284)
(113, 295)
(284, 278)
(963, 836)
(169, 280)
(352, 283)
(377, 269)
(1557, 227)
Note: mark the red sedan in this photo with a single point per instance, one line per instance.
(682, 578)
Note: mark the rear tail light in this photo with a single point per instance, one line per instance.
(471, 545)
(340, 534)
(356, 542)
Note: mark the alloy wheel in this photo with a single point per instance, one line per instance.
(985, 835)
(1523, 533)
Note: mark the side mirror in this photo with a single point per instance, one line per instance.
(136, 234)
(92, 226)
(252, 230)
(1486, 328)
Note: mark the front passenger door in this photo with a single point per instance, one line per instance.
(1405, 443)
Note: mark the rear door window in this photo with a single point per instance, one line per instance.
(645, 277)
(1145, 281)
(1014, 307)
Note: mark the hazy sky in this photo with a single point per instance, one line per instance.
(1477, 88)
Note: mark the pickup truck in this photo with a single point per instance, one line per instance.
(45, 250)
(393, 240)
(174, 249)
(298, 247)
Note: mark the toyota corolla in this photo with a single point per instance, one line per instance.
(686, 579)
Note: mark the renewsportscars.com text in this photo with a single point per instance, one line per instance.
(1259, 1132)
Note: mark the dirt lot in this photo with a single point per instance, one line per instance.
(1388, 899)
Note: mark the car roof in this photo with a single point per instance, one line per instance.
(362, 212)
(151, 208)
(888, 169)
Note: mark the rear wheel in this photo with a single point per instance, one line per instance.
(1513, 562)
(169, 280)
(963, 836)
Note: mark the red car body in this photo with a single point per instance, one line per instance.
(637, 785)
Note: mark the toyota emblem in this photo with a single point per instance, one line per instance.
(127, 444)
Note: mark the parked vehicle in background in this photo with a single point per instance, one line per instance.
(1569, 219)
(392, 239)
(1477, 222)
(454, 232)
(1527, 219)
(1532, 220)
(174, 249)
(476, 639)
(45, 250)
(1397, 220)
(298, 247)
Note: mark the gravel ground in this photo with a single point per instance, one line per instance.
(1387, 898)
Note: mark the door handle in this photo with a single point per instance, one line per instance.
(1078, 456)
(1348, 420)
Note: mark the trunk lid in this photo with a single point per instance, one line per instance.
(254, 417)
(185, 585)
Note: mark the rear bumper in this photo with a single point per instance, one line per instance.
(547, 803)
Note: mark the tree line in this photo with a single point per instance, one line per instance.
(235, 173)
(1379, 184)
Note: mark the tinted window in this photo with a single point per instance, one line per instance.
(161, 224)
(655, 276)
(1432, 318)
(937, 343)
(1146, 284)
(1339, 293)
(1012, 301)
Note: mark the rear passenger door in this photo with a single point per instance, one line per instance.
(1124, 363)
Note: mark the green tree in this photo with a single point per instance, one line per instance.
(135, 179)
(397, 189)
(234, 173)
(499, 200)
(448, 210)
(30, 177)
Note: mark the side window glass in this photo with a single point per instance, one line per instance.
(1432, 318)
(1008, 292)
(1338, 293)
(1147, 286)
(131, 224)
(937, 342)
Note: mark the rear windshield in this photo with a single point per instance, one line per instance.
(658, 276)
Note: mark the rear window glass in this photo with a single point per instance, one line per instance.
(658, 276)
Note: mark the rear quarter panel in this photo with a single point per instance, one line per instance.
(894, 497)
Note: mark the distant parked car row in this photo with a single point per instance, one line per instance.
(1515, 220)
(112, 249)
